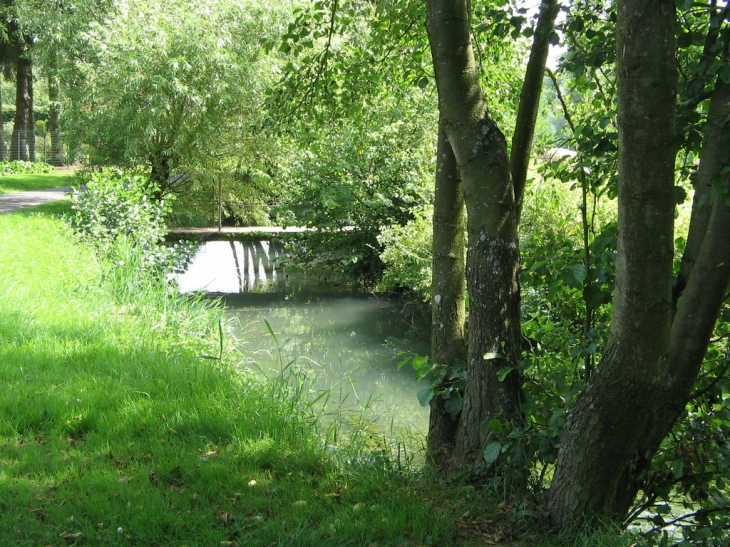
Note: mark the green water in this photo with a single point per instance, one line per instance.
(344, 342)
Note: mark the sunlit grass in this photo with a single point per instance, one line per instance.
(23, 182)
(114, 430)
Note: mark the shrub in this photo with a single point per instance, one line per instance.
(125, 225)
(24, 167)
(407, 255)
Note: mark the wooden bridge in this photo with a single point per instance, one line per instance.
(229, 233)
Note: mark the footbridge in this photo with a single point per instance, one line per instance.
(235, 233)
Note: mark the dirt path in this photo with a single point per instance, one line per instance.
(31, 198)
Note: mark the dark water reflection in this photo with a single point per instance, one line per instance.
(345, 342)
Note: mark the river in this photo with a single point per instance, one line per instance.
(346, 343)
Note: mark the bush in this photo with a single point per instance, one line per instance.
(24, 167)
(126, 226)
(407, 255)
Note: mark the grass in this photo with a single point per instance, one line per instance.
(114, 430)
(24, 182)
(117, 427)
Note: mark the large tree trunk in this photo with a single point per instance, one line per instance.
(703, 282)
(19, 143)
(493, 188)
(448, 342)
(600, 443)
(492, 253)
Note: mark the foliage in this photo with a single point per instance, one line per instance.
(244, 199)
(117, 216)
(161, 85)
(24, 167)
(353, 180)
(407, 255)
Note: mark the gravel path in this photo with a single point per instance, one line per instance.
(21, 200)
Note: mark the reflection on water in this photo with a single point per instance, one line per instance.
(244, 267)
(344, 342)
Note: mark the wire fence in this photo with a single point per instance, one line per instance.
(34, 146)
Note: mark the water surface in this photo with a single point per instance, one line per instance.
(344, 341)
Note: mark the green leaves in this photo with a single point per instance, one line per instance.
(492, 452)
(163, 87)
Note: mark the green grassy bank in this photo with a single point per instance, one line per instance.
(117, 427)
(114, 430)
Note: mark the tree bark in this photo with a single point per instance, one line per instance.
(3, 155)
(492, 263)
(601, 438)
(19, 143)
(54, 120)
(30, 129)
(706, 271)
(530, 98)
(448, 342)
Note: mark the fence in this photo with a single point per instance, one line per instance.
(34, 146)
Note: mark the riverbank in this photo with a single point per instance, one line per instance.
(123, 423)
(114, 430)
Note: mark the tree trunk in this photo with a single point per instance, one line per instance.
(160, 175)
(492, 263)
(19, 143)
(54, 122)
(3, 155)
(600, 443)
(704, 276)
(530, 98)
(448, 343)
(30, 130)
(492, 187)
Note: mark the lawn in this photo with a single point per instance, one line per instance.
(23, 182)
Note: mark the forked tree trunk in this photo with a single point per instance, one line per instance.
(492, 187)
(600, 443)
(492, 263)
(703, 282)
(448, 343)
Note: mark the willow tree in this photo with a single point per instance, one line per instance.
(176, 87)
